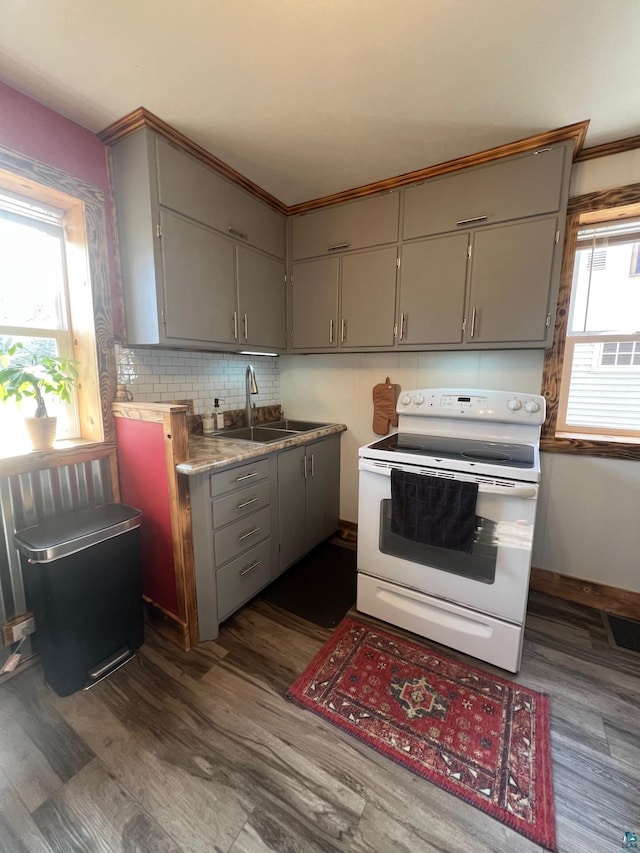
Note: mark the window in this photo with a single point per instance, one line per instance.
(34, 300)
(54, 294)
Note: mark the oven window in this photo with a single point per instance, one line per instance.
(479, 566)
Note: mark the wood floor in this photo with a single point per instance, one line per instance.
(201, 752)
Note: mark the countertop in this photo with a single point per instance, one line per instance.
(211, 454)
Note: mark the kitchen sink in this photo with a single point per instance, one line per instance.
(259, 434)
(295, 426)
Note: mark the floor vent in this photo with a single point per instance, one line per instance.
(623, 633)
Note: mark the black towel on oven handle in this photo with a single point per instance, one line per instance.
(433, 510)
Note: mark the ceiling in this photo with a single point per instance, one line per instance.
(311, 97)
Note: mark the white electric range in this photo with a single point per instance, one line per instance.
(474, 602)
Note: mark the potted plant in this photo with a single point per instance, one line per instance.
(37, 375)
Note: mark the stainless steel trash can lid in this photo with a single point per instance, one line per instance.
(70, 532)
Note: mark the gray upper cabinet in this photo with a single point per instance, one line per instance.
(513, 283)
(261, 299)
(432, 291)
(194, 189)
(190, 278)
(314, 304)
(359, 224)
(520, 186)
(203, 262)
(367, 298)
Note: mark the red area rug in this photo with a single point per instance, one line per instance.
(482, 738)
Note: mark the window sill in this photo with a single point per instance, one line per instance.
(63, 453)
(581, 444)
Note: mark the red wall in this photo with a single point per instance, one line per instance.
(34, 130)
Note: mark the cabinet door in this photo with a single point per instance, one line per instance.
(368, 295)
(432, 289)
(198, 279)
(314, 304)
(292, 505)
(516, 187)
(261, 299)
(323, 489)
(512, 272)
(352, 225)
(198, 191)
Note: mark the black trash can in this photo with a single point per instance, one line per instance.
(83, 583)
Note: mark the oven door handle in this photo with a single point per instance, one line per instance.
(524, 491)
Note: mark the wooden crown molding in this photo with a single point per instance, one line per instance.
(144, 118)
(576, 131)
(618, 146)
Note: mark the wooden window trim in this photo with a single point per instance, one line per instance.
(88, 279)
(581, 209)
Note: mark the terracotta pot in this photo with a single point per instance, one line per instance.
(42, 432)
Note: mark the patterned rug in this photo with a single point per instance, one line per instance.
(478, 736)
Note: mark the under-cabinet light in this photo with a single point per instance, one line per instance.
(251, 352)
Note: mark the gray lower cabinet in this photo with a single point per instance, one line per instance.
(345, 302)
(251, 521)
(308, 497)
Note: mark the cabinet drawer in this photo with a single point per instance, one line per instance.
(240, 503)
(241, 535)
(243, 578)
(189, 187)
(513, 188)
(238, 478)
(352, 225)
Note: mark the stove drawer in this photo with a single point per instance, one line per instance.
(475, 634)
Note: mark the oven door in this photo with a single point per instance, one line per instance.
(494, 579)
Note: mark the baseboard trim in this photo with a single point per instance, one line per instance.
(347, 531)
(611, 599)
(167, 624)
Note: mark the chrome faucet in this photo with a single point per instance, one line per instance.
(251, 388)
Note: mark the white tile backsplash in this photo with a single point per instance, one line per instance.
(168, 375)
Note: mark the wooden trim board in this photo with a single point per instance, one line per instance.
(144, 118)
(618, 146)
(611, 599)
(167, 624)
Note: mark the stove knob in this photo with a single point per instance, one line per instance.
(419, 400)
(531, 407)
(405, 400)
(514, 405)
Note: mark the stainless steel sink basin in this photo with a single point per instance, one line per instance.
(295, 426)
(259, 434)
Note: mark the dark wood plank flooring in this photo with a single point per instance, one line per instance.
(201, 752)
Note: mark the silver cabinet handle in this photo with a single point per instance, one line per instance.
(235, 233)
(337, 247)
(245, 323)
(250, 533)
(250, 568)
(247, 503)
(313, 465)
(472, 220)
(235, 325)
(343, 330)
(330, 331)
(473, 323)
(304, 466)
(402, 325)
(247, 476)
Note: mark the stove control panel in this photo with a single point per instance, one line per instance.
(505, 406)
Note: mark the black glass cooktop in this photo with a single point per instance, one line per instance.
(448, 447)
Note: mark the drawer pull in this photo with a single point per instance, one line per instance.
(337, 247)
(248, 503)
(235, 233)
(247, 476)
(472, 220)
(250, 533)
(250, 568)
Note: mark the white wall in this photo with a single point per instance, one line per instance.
(338, 388)
(589, 513)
